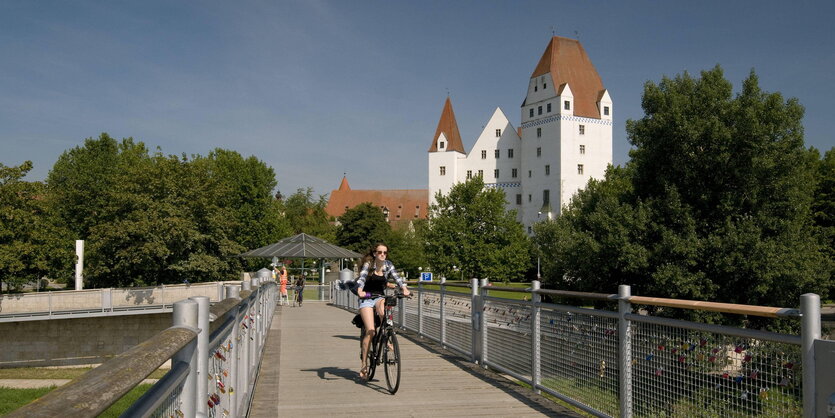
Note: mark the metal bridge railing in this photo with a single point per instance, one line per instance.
(215, 355)
(620, 363)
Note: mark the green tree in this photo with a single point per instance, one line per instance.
(361, 227)
(823, 206)
(32, 244)
(714, 205)
(306, 214)
(406, 247)
(245, 187)
(470, 230)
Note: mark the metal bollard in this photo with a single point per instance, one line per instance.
(482, 294)
(475, 317)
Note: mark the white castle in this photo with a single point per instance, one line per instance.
(564, 140)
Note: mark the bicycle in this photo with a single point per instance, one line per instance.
(384, 348)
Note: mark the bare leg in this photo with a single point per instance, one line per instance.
(367, 315)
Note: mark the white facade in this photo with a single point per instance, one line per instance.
(556, 155)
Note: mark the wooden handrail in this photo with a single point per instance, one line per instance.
(766, 311)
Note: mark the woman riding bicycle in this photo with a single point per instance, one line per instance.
(376, 270)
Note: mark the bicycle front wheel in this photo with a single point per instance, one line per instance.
(391, 360)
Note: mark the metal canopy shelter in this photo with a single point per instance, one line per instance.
(301, 246)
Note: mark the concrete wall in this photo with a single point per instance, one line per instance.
(75, 341)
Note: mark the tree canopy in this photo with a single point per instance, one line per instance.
(471, 235)
(361, 227)
(33, 244)
(714, 205)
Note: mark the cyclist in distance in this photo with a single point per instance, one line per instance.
(376, 270)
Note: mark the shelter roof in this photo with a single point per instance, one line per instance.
(301, 246)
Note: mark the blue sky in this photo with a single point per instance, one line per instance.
(318, 88)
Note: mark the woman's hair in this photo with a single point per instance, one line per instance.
(369, 256)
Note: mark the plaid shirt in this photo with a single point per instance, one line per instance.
(388, 271)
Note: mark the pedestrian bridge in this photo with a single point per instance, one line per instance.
(463, 346)
(311, 363)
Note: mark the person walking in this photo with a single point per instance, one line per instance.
(282, 280)
(376, 271)
(300, 288)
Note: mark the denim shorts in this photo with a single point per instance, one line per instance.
(369, 303)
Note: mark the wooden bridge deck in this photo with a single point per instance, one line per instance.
(310, 369)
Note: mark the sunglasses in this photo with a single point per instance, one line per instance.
(382, 252)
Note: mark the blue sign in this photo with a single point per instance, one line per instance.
(426, 277)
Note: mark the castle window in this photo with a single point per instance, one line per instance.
(514, 173)
(496, 173)
(582, 149)
(510, 153)
(546, 197)
(566, 105)
(535, 88)
(443, 170)
(469, 174)
(582, 129)
(496, 153)
(538, 151)
(441, 145)
(531, 114)
(544, 85)
(481, 173)
(548, 107)
(483, 154)
(547, 169)
(579, 169)
(539, 132)
(529, 230)
(529, 173)
(539, 110)
(498, 133)
(518, 199)
(529, 198)
(605, 110)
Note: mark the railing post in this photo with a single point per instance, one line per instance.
(810, 330)
(186, 314)
(536, 374)
(162, 295)
(420, 309)
(482, 294)
(401, 312)
(475, 317)
(202, 354)
(625, 348)
(234, 369)
(442, 336)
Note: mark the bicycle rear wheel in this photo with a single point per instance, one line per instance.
(391, 360)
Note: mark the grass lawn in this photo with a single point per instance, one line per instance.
(11, 399)
(494, 293)
(57, 373)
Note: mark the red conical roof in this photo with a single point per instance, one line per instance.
(449, 127)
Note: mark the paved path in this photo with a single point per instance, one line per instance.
(310, 369)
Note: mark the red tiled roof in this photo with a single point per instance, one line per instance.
(449, 127)
(567, 62)
(402, 204)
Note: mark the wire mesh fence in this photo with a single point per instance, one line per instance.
(662, 368)
(681, 371)
(579, 356)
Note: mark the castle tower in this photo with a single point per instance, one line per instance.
(444, 153)
(566, 129)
